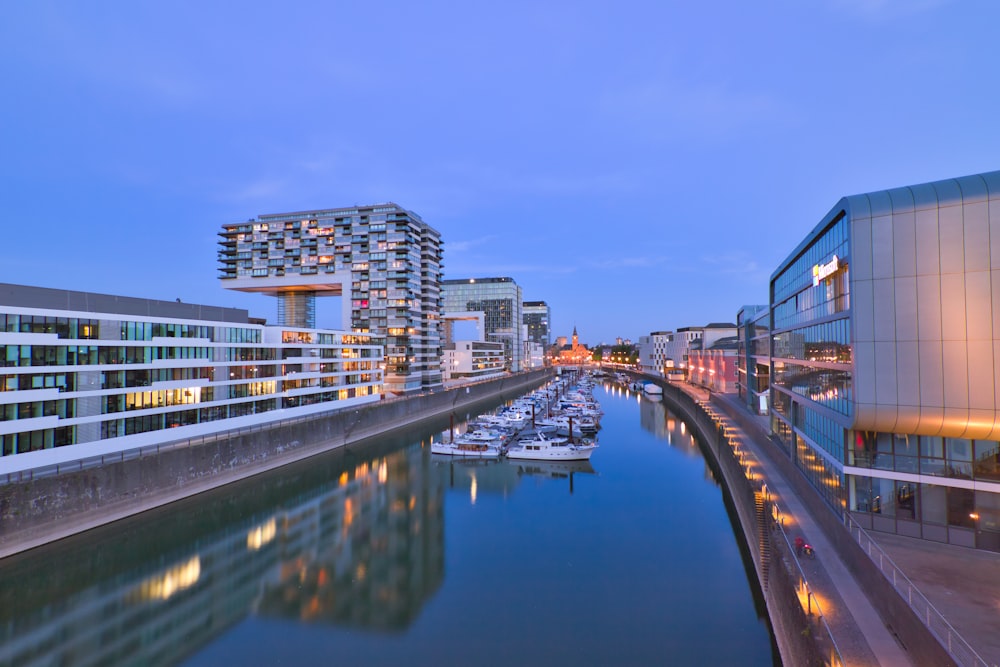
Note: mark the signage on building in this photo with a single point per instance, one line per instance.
(821, 271)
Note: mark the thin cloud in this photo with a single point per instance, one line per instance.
(672, 108)
(611, 264)
(465, 246)
(883, 10)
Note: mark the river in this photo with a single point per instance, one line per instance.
(381, 554)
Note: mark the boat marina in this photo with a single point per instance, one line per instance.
(558, 422)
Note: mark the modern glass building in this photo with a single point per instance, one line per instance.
(382, 260)
(499, 299)
(538, 319)
(85, 374)
(753, 363)
(885, 359)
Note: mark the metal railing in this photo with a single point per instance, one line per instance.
(953, 642)
(741, 455)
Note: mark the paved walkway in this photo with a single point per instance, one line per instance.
(859, 632)
(962, 584)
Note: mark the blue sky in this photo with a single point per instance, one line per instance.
(640, 166)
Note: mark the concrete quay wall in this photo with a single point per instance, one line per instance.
(798, 641)
(52, 505)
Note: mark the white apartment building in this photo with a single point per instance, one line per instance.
(85, 374)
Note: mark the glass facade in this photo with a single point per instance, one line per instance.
(499, 299)
(753, 357)
(538, 319)
(811, 359)
(881, 379)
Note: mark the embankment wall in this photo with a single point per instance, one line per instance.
(52, 505)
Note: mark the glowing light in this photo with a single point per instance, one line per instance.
(473, 490)
(261, 535)
(164, 585)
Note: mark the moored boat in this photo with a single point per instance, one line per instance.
(466, 448)
(542, 448)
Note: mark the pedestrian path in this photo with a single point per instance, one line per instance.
(859, 632)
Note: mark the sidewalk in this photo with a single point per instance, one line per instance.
(859, 632)
(962, 584)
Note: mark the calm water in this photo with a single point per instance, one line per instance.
(384, 555)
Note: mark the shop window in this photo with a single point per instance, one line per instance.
(961, 507)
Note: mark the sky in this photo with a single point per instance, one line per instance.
(640, 166)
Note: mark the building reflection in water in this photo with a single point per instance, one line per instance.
(348, 540)
(656, 419)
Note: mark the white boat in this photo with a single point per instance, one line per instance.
(651, 388)
(541, 448)
(466, 448)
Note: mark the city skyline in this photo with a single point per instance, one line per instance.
(639, 169)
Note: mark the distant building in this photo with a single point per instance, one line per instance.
(714, 367)
(534, 355)
(499, 299)
(753, 365)
(538, 318)
(653, 356)
(92, 374)
(574, 353)
(667, 352)
(382, 260)
(473, 359)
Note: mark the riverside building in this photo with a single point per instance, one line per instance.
(499, 299)
(88, 374)
(753, 357)
(538, 319)
(382, 260)
(885, 359)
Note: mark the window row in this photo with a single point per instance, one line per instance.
(93, 355)
(930, 504)
(830, 388)
(64, 327)
(799, 274)
(927, 455)
(828, 342)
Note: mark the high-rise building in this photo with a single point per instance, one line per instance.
(885, 359)
(538, 319)
(382, 260)
(499, 299)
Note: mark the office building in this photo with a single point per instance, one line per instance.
(714, 367)
(499, 299)
(538, 319)
(92, 374)
(382, 260)
(753, 363)
(473, 359)
(885, 377)
(653, 352)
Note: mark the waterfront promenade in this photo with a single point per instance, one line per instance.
(962, 584)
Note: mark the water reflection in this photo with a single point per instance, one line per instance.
(354, 540)
(502, 476)
(656, 419)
